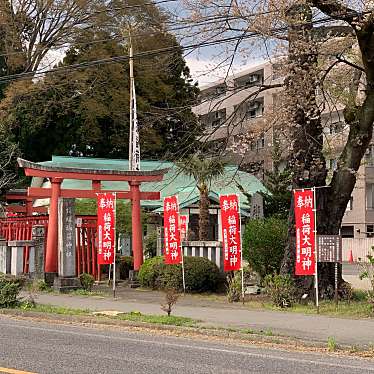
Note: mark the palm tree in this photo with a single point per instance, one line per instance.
(203, 170)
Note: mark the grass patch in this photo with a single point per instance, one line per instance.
(46, 308)
(132, 316)
(357, 308)
(331, 344)
(161, 320)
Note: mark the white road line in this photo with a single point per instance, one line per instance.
(200, 348)
(14, 371)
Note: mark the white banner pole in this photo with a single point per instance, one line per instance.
(183, 278)
(241, 247)
(315, 249)
(181, 247)
(114, 242)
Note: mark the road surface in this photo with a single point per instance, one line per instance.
(33, 347)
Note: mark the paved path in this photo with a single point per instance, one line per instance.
(42, 348)
(311, 327)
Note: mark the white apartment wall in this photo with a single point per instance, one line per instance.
(359, 216)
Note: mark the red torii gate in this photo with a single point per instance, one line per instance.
(57, 174)
(20, 195)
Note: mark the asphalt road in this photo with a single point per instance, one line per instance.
(32, 347)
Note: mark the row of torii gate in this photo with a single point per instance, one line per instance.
(57, 174)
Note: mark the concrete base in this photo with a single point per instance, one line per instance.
(66, 284)
(50, 278)
(133, 279)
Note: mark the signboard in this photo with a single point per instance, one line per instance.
(305, 226)
(230, 222)
(106, 223)
(183, 225)
(329, 248)
(172, 240)
(257, 206)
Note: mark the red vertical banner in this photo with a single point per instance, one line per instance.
(304, 206)
(106, 223)
(231, 236)
(183, 226)
(172, 240)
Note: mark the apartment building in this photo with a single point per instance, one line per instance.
(234, 107)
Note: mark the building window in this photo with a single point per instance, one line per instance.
(370, 231)
(347, 232)
(218, 118)
(370, 196)
(254, 109)
(369, 156)
(250, 80)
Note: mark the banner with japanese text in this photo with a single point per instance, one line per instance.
(106, 223)
(230, 222)
(305, 235)
(172, 242)
(183, 225)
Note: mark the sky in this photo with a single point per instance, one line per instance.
(207, 64)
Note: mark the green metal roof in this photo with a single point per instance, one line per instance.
(174, 181)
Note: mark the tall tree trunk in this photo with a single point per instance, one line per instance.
(307, 160)
(203, 213)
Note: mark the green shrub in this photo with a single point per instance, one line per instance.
(367, 272)
(281, 289)
(125, 263)
(38, 285)
(150, 245)
(201, 275)
(87, 281)
(264, 243)
(10, 288)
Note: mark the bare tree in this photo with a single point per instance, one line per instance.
(304, 27)
(32, 28)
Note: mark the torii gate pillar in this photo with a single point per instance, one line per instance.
(137, 234)
(51, 265)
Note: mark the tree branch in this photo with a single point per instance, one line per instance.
(351, 64)
(336, 10)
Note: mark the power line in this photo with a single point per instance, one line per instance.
(123, 58)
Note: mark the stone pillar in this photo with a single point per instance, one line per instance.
(38, 237)
(257, 206)
(17, 249)
(5, 257)
(67, 277)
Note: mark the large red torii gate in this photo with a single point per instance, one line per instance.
(57, 174)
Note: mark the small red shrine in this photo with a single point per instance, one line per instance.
(57, 174)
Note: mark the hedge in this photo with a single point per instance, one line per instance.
(10, 288)
(264, 243)
(201, 275)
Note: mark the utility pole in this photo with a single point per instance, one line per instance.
(134, 146)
